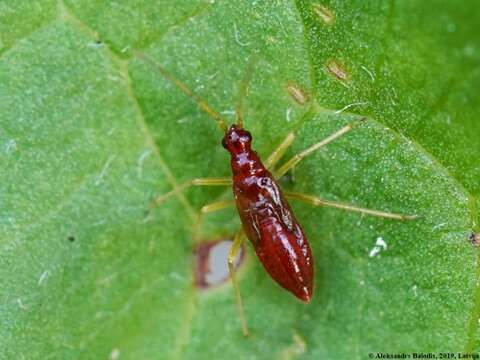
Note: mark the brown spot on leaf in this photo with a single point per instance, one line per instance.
(297, 93)
(338, 70)
(474, 239)
(324, 13)
(211, 263)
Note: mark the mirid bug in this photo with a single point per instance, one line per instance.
(267, 219)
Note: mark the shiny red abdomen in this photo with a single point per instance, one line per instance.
(267, 219)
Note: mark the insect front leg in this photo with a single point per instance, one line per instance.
(316, 201)
(277, 154)
(214, 181)
(216, 206)
(243, 88)
(232, 255)
(301, 155)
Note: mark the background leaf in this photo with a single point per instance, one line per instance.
(89, 134)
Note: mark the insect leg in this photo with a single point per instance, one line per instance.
(277, 154)
(298, 157)
(202, 104)
(243, 88)
(218, 181)
(316, 201)
(216, 206)
(237, 243)
(220, 205)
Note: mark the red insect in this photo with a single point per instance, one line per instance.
(267, 219)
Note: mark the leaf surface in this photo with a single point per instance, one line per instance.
(89, 134)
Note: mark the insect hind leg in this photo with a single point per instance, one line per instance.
(316, 201)
(232, 255)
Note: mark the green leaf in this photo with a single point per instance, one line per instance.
(88, 134)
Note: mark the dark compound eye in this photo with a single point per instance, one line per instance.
(247, 137)
(224, 142)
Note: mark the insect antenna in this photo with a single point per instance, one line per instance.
(243, 88)
(202, 104)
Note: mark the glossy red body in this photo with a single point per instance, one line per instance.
(267, 219)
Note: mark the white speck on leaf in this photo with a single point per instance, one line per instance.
(115, 354)
(104, 170)
(140, 161)
(20, 304)
(369, 73)
(414, 289)
(382, 243)
(287, 114)
(379, 246)
(228, 112)
(42, 278)
(349, 106)
(237, 36)
(436, 227)
(199, 87)
(183, 120)
(210, 77)
(392, 101)
(11, 146)
(392, 97)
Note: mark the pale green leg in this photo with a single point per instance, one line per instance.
(277, 154)
(232, 255)
(216, 206)
(301, 155)
(316, 201)
(214, 181)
